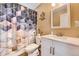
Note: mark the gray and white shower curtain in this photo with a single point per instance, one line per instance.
(17, 27)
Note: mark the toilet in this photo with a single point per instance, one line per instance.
(32, 49)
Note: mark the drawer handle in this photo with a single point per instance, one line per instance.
(50, 50)
(54, 51)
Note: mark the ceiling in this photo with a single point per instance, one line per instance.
(31, 5)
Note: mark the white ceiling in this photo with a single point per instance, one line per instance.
(31, 5)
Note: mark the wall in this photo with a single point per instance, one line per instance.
(45, 25)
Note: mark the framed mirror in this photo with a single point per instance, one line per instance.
(60, 16)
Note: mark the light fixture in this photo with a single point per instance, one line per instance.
(53, 4)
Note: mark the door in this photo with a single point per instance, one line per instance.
(46, 47)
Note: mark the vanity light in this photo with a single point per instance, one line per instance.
(53, 4)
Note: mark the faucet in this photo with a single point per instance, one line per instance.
(59, 34)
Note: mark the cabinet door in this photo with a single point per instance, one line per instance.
(46, 47)
(60, 49)
(63, 49)
(73, 50)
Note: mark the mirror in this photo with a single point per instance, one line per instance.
(60, 16)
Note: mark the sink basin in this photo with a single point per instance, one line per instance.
(57, 37)
(65, 39)
(62, 37)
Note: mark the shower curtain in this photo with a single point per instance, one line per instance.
(17, 27)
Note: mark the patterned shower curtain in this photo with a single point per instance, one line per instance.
(17, 27)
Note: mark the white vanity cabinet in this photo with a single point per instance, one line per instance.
(50, 47)
(46, 46)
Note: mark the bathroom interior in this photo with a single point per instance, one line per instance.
(39, 29)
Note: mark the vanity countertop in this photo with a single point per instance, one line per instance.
(63, 39)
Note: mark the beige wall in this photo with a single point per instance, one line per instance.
(45, 25)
